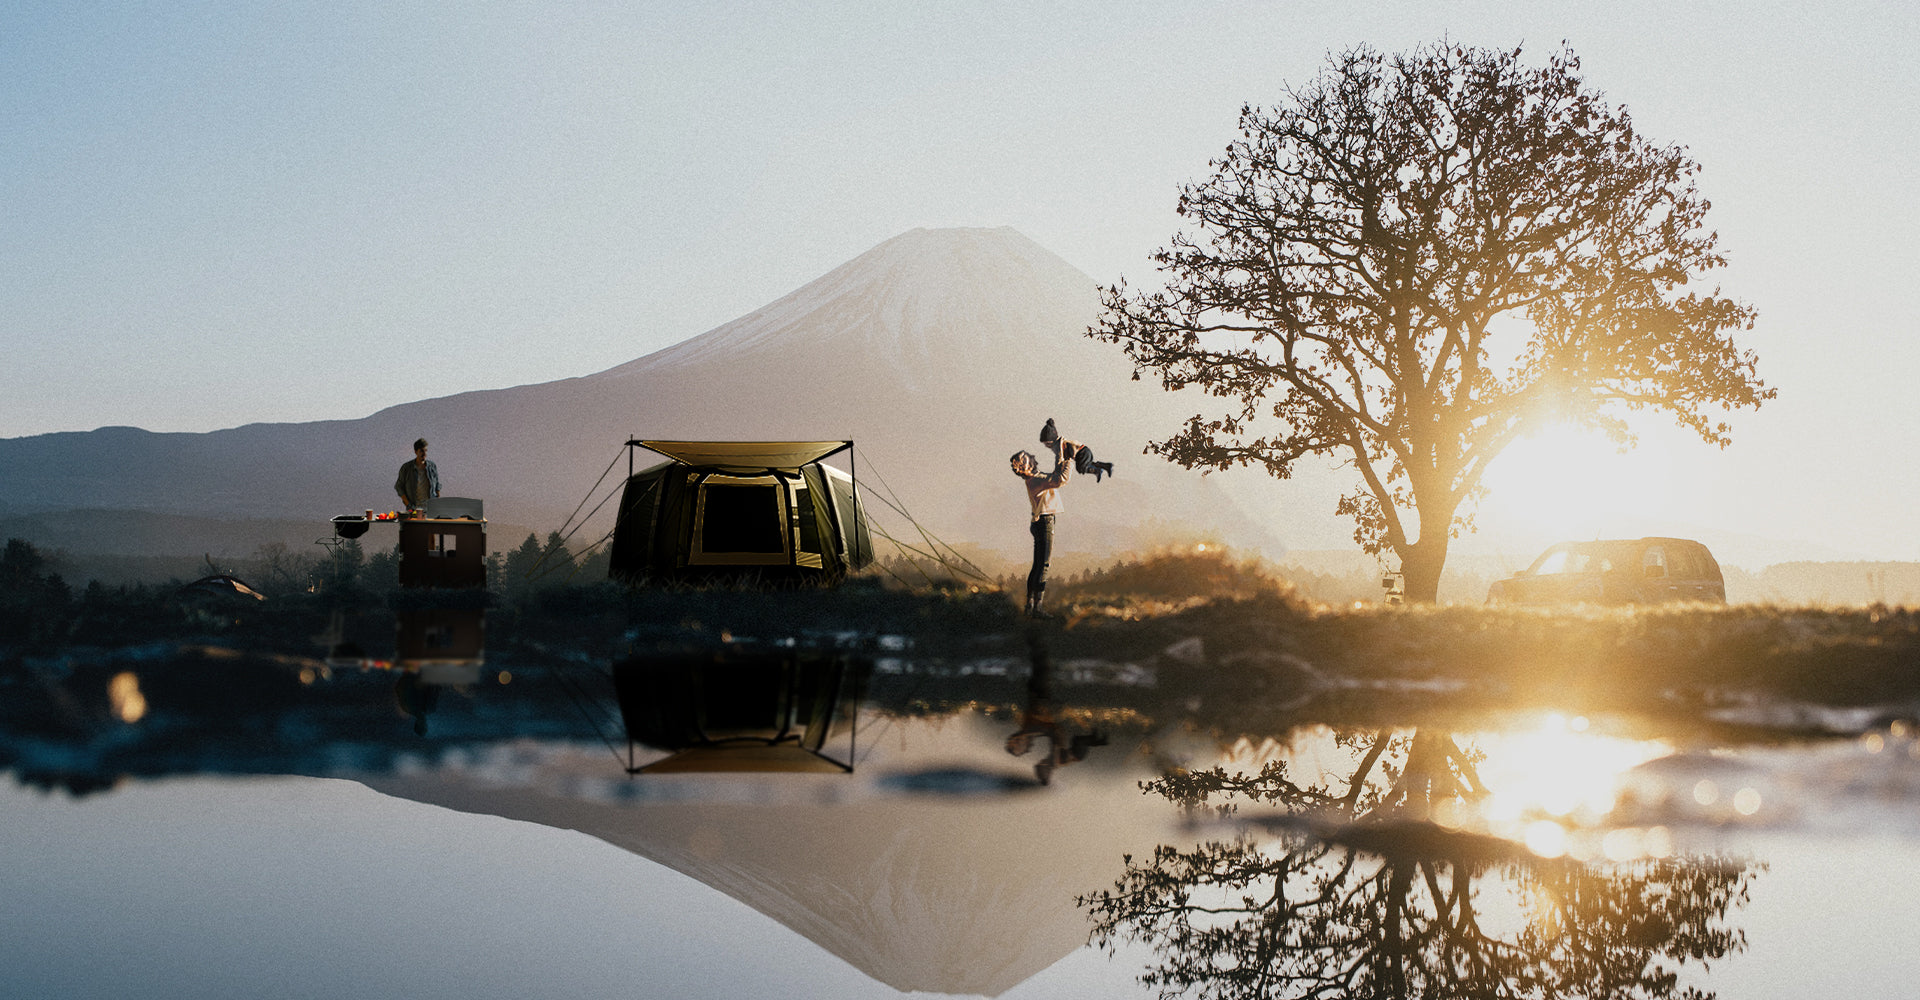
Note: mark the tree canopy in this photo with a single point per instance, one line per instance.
(1417, 258)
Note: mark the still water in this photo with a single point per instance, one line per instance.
(869, 814)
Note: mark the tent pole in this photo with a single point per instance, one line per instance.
(850, 536)
(620, 512)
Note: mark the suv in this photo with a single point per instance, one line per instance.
(1639, 571)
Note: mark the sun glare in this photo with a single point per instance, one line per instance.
(1572, 482)
(1557, 773)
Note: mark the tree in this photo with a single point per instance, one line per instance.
(533, 566)
(340, 572)
(1417, 259)
(35, 603)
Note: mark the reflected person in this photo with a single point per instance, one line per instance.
(1039, 719)
(415, 699)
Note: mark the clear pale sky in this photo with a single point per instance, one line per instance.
(217, 214)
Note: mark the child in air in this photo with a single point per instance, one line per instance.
(1083, 462)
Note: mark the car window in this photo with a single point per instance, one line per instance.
(1684, 563)
(1568, 560)
(1653, 562)
(1558, 561)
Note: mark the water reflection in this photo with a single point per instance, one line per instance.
(957, 813)
(1349, 889)
(917, 854)
(435, 648)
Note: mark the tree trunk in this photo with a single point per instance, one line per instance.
(1420, 565)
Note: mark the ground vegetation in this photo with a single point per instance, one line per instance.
(1245, 652)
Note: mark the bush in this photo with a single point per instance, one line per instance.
(1202, 572)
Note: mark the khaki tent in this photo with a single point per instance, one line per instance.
(769, 510)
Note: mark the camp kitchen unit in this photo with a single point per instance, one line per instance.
(444, 546)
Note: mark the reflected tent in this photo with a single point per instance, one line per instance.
(771, 510)
(734, 708)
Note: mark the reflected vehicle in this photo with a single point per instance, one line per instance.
(1624, 571)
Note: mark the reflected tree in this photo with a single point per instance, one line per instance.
(1353, 894)
(1398, 775)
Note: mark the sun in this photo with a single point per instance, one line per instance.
(1572, 482)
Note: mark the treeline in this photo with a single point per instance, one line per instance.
(534, 565)
(41, 607)
(278, 570)
(1841, 584)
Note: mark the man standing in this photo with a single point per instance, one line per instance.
(1043, 495)
(419, 481)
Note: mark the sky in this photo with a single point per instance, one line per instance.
(219, 214)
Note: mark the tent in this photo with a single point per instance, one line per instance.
(766, 510)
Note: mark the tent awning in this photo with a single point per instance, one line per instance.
(748, 454)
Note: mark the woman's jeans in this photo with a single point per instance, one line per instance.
(1042, 529)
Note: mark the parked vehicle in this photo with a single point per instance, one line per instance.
(1637, 571)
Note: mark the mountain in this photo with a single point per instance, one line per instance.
(939, 352)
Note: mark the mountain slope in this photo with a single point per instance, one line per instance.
(939, 351)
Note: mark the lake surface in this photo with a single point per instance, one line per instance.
(865, 814)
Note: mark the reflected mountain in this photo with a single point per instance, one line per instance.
(1354, 892)
(935, 893)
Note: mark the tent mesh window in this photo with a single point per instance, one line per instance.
(809, 538)
(741, 519)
